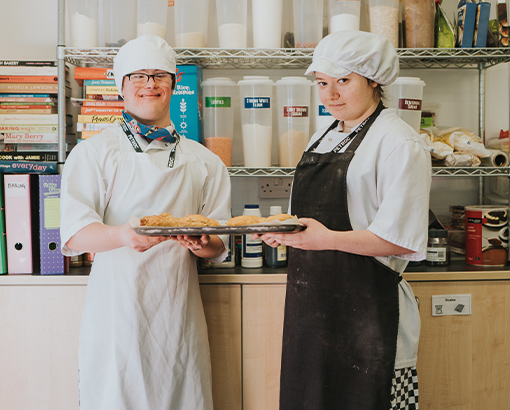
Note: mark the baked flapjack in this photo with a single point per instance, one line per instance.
(165, 219)
(198, 220)
(279, 217)
(244, 220)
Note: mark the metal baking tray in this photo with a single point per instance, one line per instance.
(218, 230)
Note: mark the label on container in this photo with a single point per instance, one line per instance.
(281, 254)
(300, 111)
(436, 254)
(257, 102)
(486, 235)
(409, 104)
(252, 248)
(323, 111)
(217, 102)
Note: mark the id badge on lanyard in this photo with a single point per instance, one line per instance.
(131, 137)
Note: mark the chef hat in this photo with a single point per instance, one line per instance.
(367, 54)
(143, 53)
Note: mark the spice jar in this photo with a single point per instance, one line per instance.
(438, 250)
(419, 23)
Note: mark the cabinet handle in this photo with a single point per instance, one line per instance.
(418, 302)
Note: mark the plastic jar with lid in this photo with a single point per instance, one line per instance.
(83, 19)
(219, 116)
(232, 18)
(191, 18)
(256, 93)
(276, 257)
(151, 17)
(293, 119)
(383, 17)
(344, 15)
(119, 22)
(419, 21)
(252, 248)
(438, 250)
(308, 18)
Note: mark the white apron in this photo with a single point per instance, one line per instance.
(143, 340)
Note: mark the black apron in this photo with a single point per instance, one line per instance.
(341, 309)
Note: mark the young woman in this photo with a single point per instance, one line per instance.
(351, 325)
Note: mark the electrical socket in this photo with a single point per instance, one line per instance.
(275, 187)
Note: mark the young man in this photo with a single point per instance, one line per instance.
(143, 340)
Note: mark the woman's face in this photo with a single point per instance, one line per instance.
(349, 99)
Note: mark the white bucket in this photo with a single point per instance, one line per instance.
(405, 94)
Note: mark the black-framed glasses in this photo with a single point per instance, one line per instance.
(140, 79)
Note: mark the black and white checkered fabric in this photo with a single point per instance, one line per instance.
(404, 389)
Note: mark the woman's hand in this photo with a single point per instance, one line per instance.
(139, 243)
(314, 237)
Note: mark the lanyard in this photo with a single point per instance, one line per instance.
(130, 136)
(352, 135)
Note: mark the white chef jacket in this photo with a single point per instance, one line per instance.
(388, 185)
(143, 338)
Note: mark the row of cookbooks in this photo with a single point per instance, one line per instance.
(30, 224)
(101, 104)
(29, 115)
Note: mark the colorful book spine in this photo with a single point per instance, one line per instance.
(52, 261)
(29, 167)
(110, 83)
(3, 243)
(28, 79)
(104, 97)
(29, 128)
(37, 119)
(86, 126)
(88, 134)
(31, 110)
(101, 89)
(36, 147)
(7, 95)
(39, 104)
(101, 110)
(29, 156)
(18, 106)
(28, 87)
(27, 100)
(99, 119)
(27, 63)
(99, 103)
(21, 224)
(30, 138)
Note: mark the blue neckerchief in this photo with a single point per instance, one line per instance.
(154, 132)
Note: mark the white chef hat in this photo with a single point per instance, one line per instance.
(143, 53)
(347, 51)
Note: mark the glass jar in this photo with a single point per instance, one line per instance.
(419, 23)
(438, 250)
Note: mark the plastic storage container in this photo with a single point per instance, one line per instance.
(275, 257)
(232, 23)
(83, 18)
(151, 17)
(257, 120)
(322, 116)
(191, 23)
(267, 23)
(219, 116)
(119, 22)
(293, 119)
(419, 23)
(438, 249)
(405, 94)
(344, 15)
(383, 16)
(229, 261)
(252, 248)
(308, 16)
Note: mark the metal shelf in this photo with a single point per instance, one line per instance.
(436, 171)
(253, 58)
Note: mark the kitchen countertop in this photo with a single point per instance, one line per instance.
(456, 271)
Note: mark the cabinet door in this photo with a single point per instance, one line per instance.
(263, 308)
(40, 326)
(222, 306)
(464, 361)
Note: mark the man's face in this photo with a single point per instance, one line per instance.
(148, 103)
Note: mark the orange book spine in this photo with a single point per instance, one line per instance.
(92, 73)
(28, 79)
(24, 107)
(88, 134)
(101, 111)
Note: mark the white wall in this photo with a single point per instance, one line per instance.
(28, 30)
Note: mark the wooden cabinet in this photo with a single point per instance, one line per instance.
(263, 308)
(464, 361)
